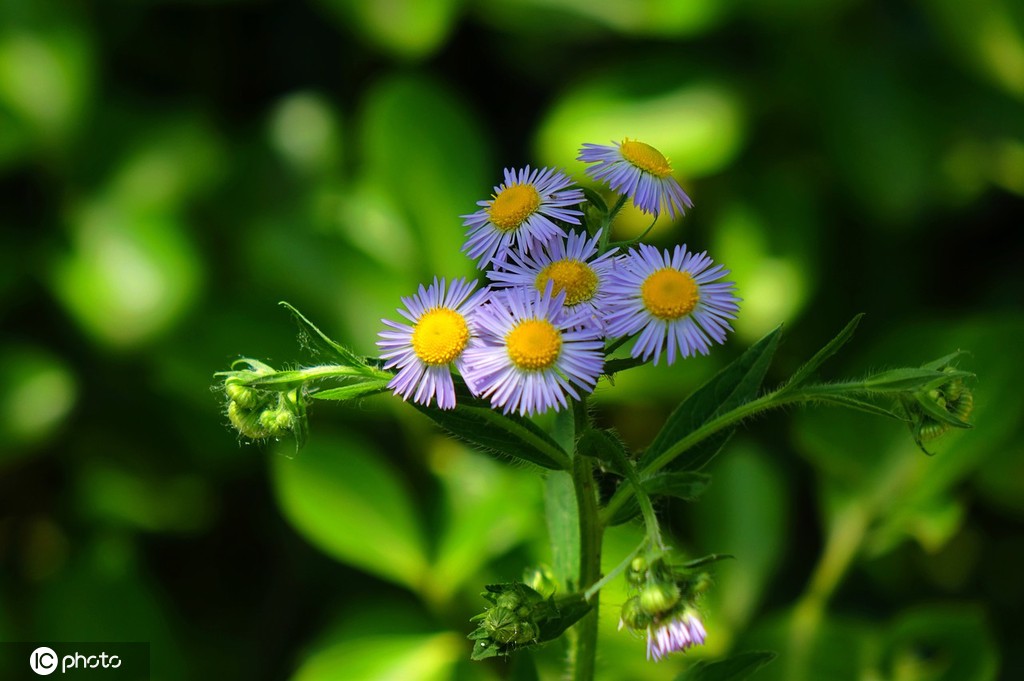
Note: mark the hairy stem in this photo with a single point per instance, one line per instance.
(591, 532)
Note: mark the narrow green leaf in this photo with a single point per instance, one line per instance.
(819, 358)
(944, 361)
(563, 526)
(940, 413)
(907, 379)
(858, 404)
(684, 485)
(292, 378)
(735, 668)
(603, 446)
(352, 391)
(505, 435)
(732, 386)
(311, 336)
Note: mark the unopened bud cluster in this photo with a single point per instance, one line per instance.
(261, 413)
(934, 410)
(512, 619)
(662, 606)
(521, 616)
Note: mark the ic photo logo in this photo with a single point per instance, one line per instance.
(45, 661)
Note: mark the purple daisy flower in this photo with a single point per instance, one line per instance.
(641, 172)
(532, 353)
(571, 264)
(424, 353)
(672, 299)
(676, 634)
(521, 212)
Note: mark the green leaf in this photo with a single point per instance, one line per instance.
(945, 361)
(939, 413)
(563, 526)
(840, 400)
(489, 509)
(819, 358)
(344, 498)
(735, 668)
(909, 379)
(732, 386)
(352, 391)
(423, 147)
(503, 435)
(685, 485)
(293, 378)
(410, 657)
(603, 446)
(313, 338)
(745, 513)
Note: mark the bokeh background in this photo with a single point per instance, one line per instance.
(170, 170)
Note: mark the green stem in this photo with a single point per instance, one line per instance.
(771, 400)
(591, 532)
(294, 377)
(615, 572)
(606, 224)
(637, 238)
(646, 508)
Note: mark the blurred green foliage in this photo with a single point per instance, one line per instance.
(169, 170)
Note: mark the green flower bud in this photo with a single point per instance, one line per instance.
(633, 615)
(246, 421)
(506, 627)
(636, 573)
(277, 422)
(659, 597)
(238, 391)
(935, 411)
(510, 600)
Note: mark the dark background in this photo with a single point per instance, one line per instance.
(170, 170)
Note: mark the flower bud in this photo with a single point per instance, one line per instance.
(636, 573)
(246, 421)
(237, 391)
(659, 597)
(277, 422)
(934, 411)
(634, 616)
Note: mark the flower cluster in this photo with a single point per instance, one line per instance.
(662, 607)
(536, 335)
(256, 413)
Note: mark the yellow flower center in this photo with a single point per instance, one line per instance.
(514, 204)
(645, 157)
(440, 336)
(533, 344)
(669, 294)
(575, 277)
